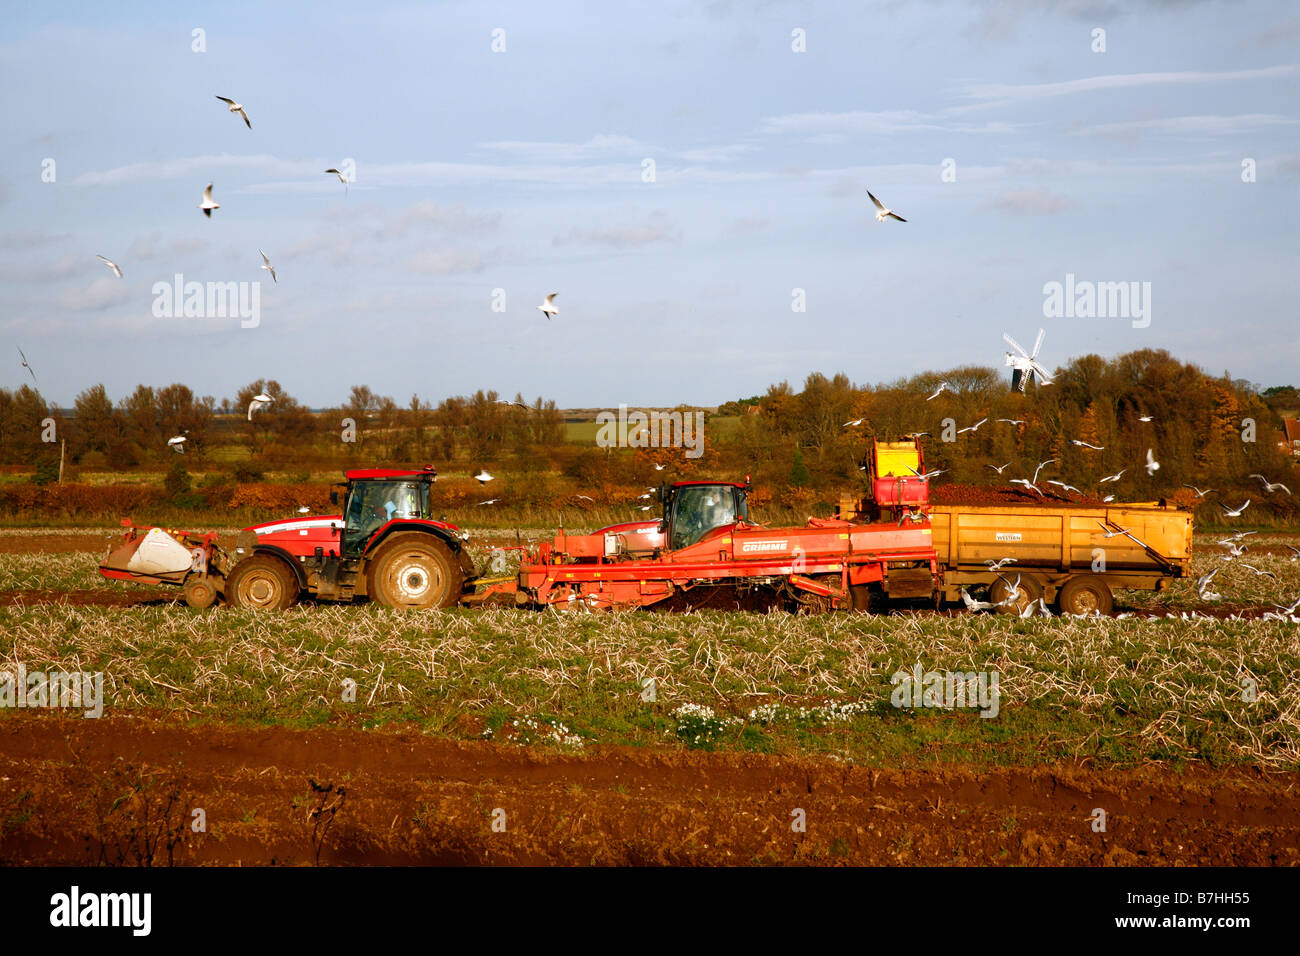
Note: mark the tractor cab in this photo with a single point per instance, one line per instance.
(694, 508)
(376, 496)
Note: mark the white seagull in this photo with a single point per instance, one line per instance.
(972, 428)
(1229, 513)
(1012, 421)
(942, 387)
(112, 265)
(1114, 477)
(974, 605)
(177, 444)
(881, 212)
(266, 264)
(1270, 487)
(258, 403)
(208, 203)
(928, 475)
(547, 307)
(236, 108)
(1084, 444)
(999, 468)
(853, 424)
(1152, 466)
(28, 367)
(490, 501)
(1064, 486)
(997, 565)
(1041, 466)
(483, 477)
(1146, 418)
(1028, 484)
(1199, 492)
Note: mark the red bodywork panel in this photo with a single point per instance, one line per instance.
(300, 537)
(362, 474)
(840, 554)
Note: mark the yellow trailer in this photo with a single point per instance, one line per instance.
(1073, 556)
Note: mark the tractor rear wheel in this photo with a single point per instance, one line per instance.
(414, 570)
(262, 581)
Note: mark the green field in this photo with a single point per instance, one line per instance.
(1117, 692)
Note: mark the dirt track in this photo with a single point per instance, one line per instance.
(413, 799)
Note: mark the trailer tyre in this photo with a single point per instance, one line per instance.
(414, 570)
(262, 581)
(1085, 594)
(1030, 592)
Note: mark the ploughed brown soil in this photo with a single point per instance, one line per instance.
(79, 791)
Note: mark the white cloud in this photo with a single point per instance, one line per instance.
(831, 128)
(456, 218)
(445, 261)
(604, 144)
(1188, 125)
(103, 292)
(1031, 202)
(1120, 81)
(199, 167)
(659, 228)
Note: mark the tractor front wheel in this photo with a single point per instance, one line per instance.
(262, 581)
(414, 570)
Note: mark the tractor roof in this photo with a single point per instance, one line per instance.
(733, 484)
(371, 474)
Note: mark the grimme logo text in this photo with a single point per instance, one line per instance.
(208, 300)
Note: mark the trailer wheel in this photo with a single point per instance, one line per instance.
(414, 570)
(1084, 594)
(200, 592)
(262, 581)
(1030, 592)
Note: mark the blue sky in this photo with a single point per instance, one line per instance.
(522, 170)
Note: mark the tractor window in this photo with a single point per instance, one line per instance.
(699, 510)
(373, 504)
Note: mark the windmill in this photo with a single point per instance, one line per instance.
(1025, 364)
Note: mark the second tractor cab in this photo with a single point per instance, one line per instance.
(691, 509)
(386, 546)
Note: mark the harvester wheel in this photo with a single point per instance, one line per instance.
(415, 570)
(200, 591)
(262, 581)
(1084, 594)
(1029, 588)
(868, 598)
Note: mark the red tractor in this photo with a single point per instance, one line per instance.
(385, 546)
(704, 546)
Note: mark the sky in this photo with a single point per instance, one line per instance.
(690, 177)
